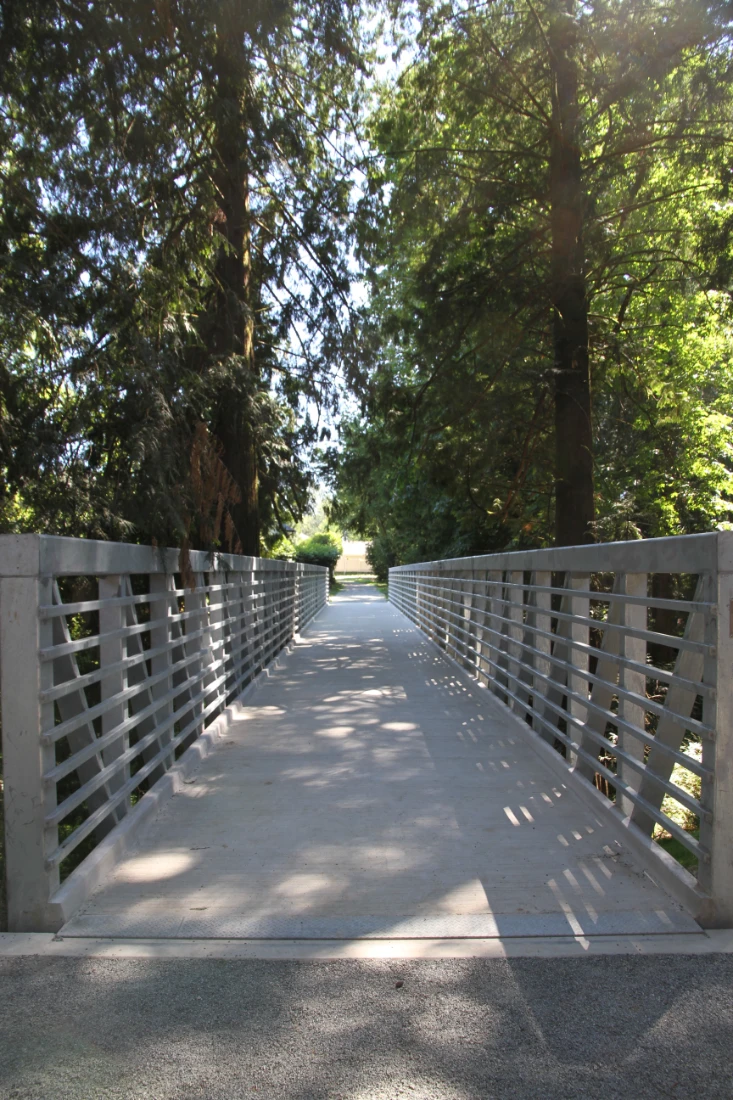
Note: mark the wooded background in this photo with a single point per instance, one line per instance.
(534, 199)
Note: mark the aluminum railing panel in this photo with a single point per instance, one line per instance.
(120, 684)
(569, 639)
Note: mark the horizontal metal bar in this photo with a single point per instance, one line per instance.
(670, 640)
(597, 736)
(78, 683)
(688, 841)
(99, 815)
(694, 554)
(92, 642)
(56, 610)
(587, 701)
(119, 699)
(106, 740)
(650, 671)
(614, 719)
(108, 772)
(682, 606)
(257, 586)
(687, 723)
(68, 686)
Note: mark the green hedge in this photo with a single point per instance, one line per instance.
(322, 549)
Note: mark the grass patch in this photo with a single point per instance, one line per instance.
(367, 579)
(683, 817)
(678, 851)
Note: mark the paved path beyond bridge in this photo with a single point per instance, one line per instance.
(370, 791)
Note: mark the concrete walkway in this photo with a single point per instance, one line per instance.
(524, 1029)
(369, 791)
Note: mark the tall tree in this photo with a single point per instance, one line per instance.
(574, 504)
(232, 331)
(173, 239)
(542, 166)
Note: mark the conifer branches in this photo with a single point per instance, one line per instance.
(214, 494)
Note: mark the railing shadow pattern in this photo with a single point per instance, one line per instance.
(621, 681)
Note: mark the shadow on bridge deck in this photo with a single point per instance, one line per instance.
(369, 791)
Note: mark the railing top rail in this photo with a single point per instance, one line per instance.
(675, 554)
(58, 556)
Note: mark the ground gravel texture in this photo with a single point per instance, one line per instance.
(611, 1027)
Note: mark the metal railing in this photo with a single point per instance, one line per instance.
(110, 667)
(633, 688)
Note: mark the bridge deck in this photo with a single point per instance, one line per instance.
(369, 791)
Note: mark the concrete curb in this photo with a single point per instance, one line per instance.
(46, 945)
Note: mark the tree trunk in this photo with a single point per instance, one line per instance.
(574, 511)
(232, 332)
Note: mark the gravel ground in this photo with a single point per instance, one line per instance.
(626, 1027)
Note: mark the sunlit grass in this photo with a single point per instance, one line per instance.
(357, 578)
(691, 784)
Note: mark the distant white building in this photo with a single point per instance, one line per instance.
(353, 558)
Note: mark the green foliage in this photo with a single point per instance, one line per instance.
(690, 783)
(282, 550)
(324, 548)
(453, 450)
(381, 557)
(111, 254)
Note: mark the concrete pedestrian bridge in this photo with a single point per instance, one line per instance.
(367, 790)
(376, 779)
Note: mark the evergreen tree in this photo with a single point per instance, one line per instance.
(546, 169)
(175, 200)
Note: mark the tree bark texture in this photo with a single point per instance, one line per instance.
(574, 509)
(232, 334)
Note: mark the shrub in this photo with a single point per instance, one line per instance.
(283, 550)
(324, 549)
(381, 557)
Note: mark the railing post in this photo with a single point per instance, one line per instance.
(192, 680)
(161, 586)
(540, 618)
(483, 641)
(112, 651)
(495, 578)
(515, 633)
(424, 602)
(465, 648)
(719, 667)
(213, 641)
(578, 632)
(26, 758)
(299, 588)
(293, 607)
(635, 616)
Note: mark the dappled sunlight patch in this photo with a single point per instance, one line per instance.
(151, 868)
(304, 885)
(269, 711)
(465, 897)
(567, 910)
(411, 1086)
(335, 732)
